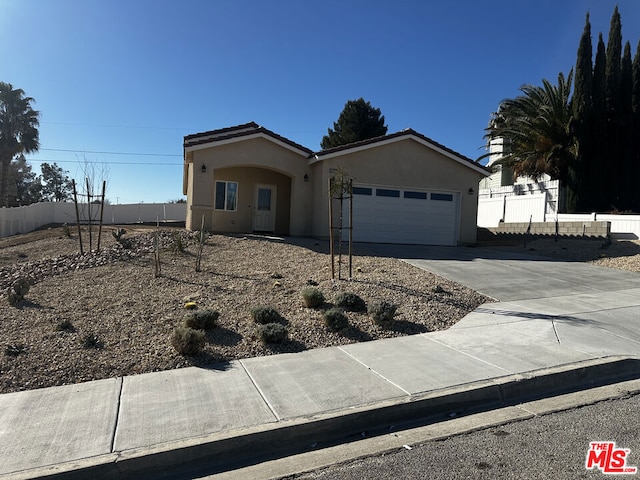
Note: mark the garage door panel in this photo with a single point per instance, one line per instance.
(395, 215)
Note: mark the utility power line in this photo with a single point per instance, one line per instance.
(79, 162)
(145, 154)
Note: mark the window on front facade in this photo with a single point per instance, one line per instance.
(226, 195)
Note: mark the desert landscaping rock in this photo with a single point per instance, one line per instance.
(113, 297)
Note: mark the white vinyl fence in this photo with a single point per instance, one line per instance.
(26, 219)
(525, 208)
(512, 209)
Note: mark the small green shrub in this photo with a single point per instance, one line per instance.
(272, 332)
(264, 315)
(351, 302)
(15, 349)
(177, 243)
(335, 319)
(312, 297)
(438, 289)
(188, 341)
(201, 319)
(66, 231)
(91, 341)
(13, 298)
(18, 290)
(382, 313)
(117, 234)
(125, 243)
(65, 326)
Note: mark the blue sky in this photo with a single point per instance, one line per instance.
(134, 76)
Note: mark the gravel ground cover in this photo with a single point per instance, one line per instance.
(620, 254)
(106, 314)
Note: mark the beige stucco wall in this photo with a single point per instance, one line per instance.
(241, 220)
(249, 162)
(405, 163)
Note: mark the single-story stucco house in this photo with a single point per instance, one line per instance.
(406, 187)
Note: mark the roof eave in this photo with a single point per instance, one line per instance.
(247, 136)
(396, 137)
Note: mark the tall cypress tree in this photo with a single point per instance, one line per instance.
(613, 105)
(635, 126)
(578, 187)
(626, 182)
(599, 128)
(635, 94)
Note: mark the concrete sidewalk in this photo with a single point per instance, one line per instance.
(561, 327)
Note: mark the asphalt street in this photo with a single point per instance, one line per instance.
(549, 446)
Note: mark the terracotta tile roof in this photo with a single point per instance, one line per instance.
(238, 131)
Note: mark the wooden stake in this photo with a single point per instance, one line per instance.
(156, 248)
(200, 245)
(340, 230)
(89, 215)
(333, 269)
(350, 228)
(104, 184)
(75, 201)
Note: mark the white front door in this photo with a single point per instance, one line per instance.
(264, 208)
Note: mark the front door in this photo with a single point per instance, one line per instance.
(264, 210)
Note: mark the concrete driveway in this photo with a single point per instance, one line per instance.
(509, 276)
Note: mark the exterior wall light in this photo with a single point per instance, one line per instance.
(306, 177)
(470, 190)
(203, 168)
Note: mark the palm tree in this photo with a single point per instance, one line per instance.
(18, 131)
(535, 130)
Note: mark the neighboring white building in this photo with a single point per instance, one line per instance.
(502, 184)
(501, 176)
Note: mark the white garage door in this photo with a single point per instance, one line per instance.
(396, 215)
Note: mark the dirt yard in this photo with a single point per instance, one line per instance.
(106, 314)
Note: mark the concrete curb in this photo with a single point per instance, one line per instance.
(236, 448)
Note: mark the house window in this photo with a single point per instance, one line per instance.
(383, 192)
(416, 195)
(226, 195)
(264, 199)
(361, 191)
(443, 197)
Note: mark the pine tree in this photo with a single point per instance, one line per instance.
(578, 187)
(357, 121)
(613, 106)
(599, 128)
